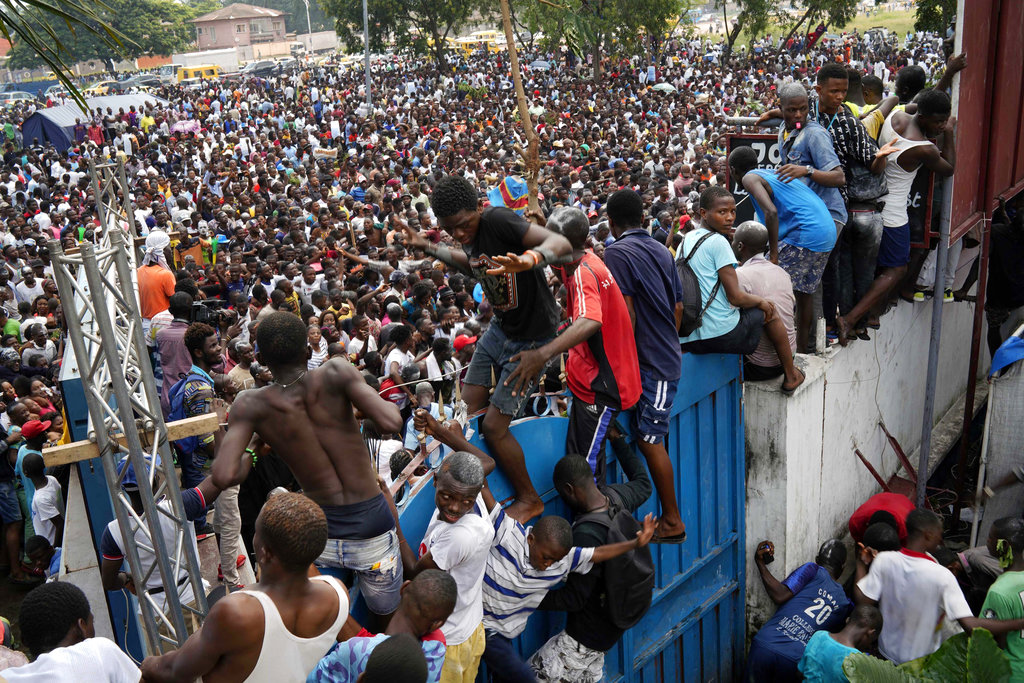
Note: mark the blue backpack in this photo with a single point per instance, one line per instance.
(176, 398)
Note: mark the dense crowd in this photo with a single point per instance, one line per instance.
(340, 283)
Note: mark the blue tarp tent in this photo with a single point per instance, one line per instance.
(56, 124)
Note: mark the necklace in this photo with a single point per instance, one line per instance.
(285, 385)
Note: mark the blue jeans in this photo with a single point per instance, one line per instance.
(504, 665)
(377, 563)
(857, 258)
(10, 508)
(191, 475)
(830, 280)
(493, 353)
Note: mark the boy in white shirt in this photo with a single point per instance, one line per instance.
(47, 503)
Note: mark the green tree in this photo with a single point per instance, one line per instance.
(934, 15)
(35, 23)
(148, 27)
(296, 19)
(422, 25)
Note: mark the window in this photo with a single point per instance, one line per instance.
(199, 30)
(239, 28)
(213, 34)
(254, 27)
(277, 25)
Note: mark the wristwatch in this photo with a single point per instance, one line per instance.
(810, 171)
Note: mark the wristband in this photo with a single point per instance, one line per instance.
(535, 255)
(252, 453)
(989, 492)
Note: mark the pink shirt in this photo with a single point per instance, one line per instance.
(762, 278)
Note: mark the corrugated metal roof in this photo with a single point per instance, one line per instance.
(239, 10)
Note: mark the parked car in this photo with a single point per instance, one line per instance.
(102, 88)
(10, 99)
(263, 68)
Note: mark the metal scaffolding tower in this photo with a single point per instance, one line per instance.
(100, 299)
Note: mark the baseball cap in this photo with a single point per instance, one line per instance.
(34, 428)
(462, 341)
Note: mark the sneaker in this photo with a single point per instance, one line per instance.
(918, 297)
(947, 296)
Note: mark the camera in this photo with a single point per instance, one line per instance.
(208, 311)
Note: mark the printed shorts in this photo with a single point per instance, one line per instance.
(565, 660)
(805, 267)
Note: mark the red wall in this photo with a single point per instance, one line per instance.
(990, 115)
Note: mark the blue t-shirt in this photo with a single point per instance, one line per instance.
(818, 604)
(646, 272)
(26, 482)
(714, 253)
(823, 659)
(812, 146)
(347, 660)
(803, 219)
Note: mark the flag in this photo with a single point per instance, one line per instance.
(510, 192)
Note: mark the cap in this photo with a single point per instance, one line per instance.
(34, 428)
(462, 341)
(397, 276)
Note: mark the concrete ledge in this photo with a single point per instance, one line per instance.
(803, 477)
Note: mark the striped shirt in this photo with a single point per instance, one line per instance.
(512, 586)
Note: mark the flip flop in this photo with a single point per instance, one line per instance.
(789, 392)
(669, 540)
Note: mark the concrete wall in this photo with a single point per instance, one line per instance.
(803, 478)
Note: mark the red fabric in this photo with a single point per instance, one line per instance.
(607, 361)
(898, 505)
(914, 553)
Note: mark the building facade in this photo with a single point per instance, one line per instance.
(239, 25)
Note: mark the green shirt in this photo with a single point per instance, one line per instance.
(1005, 600)
(13, 327)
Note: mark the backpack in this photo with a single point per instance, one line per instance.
(629, 578)
(176, 399)
(693, 307)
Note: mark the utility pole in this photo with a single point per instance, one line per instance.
(309, 27)
(366, 57)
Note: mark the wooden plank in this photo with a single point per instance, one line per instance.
(87, 450)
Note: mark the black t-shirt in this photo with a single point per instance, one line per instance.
(523, 305)
(1006, 268)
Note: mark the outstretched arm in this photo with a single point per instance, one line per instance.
(761, 193)
(603, 553)
(542, 247)
(231, 464)
(777, 591)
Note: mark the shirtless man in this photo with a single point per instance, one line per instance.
(290, 533)
(307, 418)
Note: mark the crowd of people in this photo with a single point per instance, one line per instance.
(340, 282)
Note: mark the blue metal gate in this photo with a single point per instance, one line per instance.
(694, 630)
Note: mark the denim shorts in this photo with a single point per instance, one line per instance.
(493, 352)
(10, 509)
(651, 412)
(375, 561)
(805, 267)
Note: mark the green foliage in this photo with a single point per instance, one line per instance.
(934, 15)
(146, 27)
(960, 659)
(296, 19)
(33, 24)
(392, 22)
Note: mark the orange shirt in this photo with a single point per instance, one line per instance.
(156, 285)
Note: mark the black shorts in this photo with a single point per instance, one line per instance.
(741, 339)
(588, 427)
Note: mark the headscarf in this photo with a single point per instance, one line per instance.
(156, 242)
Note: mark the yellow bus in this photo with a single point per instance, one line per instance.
(207, 71)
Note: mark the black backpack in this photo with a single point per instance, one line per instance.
(693, 307)
(629, 578)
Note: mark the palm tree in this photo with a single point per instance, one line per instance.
(29, 21)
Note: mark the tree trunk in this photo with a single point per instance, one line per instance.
(782, 45)
(596, 56)
(531, 157)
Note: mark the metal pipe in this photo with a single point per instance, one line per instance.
(972, 373)
(927, 418)
(981, 480)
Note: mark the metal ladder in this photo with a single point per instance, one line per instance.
(100, 301)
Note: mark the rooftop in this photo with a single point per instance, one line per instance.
(239, 11)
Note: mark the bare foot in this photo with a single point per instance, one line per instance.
(525, 509)
(790, 385)
(843, 329)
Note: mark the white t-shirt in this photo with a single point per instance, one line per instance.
(47, 504)
(914, 594)
(95, 659)
(403, 358)
(461, 549)
(356, 345)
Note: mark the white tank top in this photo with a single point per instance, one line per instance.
(899, 180)
(285, 657)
